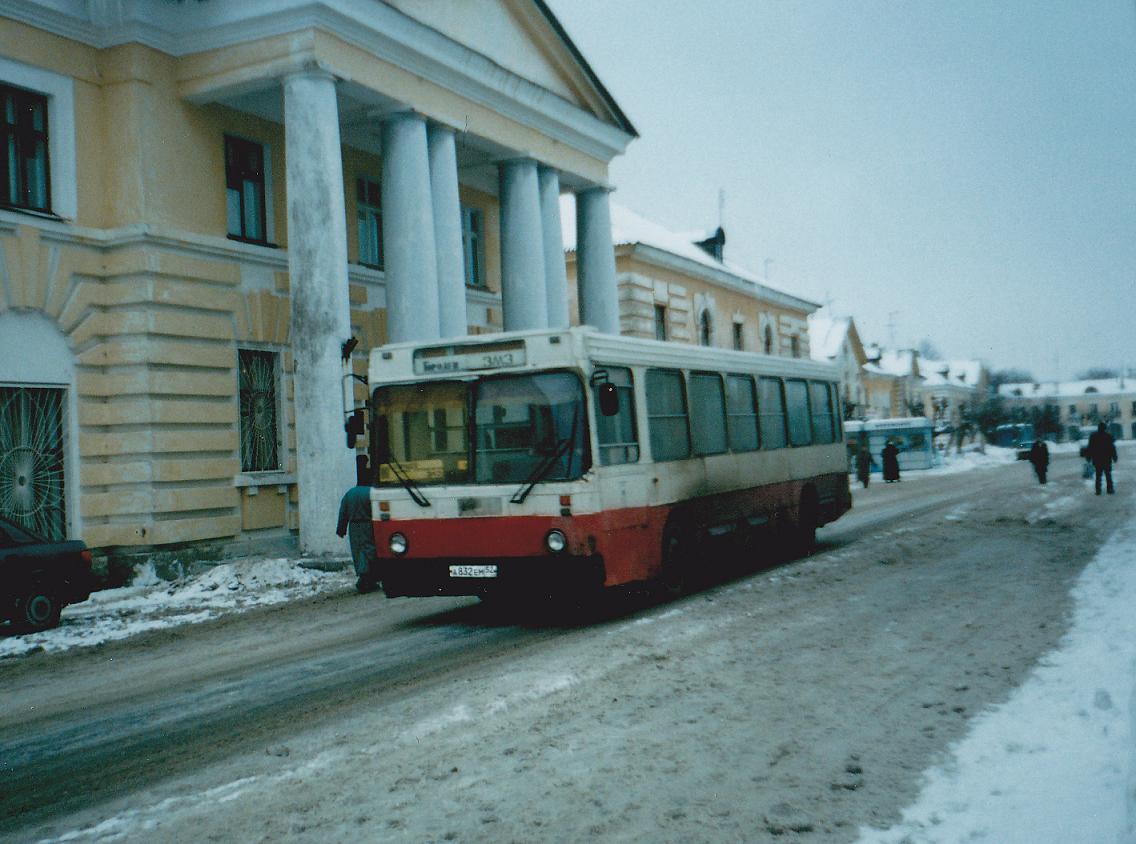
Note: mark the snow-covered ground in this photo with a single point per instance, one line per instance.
(1057, 762)
(151, 603)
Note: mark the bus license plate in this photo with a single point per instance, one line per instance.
(473, 571)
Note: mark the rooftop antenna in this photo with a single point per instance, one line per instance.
(891, 327)
(721, 208)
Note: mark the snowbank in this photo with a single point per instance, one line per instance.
(151, 603)
(1056, 763)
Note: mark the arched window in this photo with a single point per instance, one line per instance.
(768, 340)
(705, 328)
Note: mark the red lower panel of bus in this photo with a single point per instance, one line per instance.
(629, 541)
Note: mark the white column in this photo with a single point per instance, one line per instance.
(447, 231)
(595, 261)
(410, 257)
(321, 311)
(555, 272)
(524, 303)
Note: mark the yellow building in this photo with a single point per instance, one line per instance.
(202, 202)
(1078, 406)
(675, 286)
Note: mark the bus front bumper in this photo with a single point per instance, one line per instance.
(544, 575)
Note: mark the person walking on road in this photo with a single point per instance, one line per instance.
(890, 456)
(1039, 457)
(863, 465)
(1101, 450)
(355, 524)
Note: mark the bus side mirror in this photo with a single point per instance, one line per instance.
(354, 427)
(380, 442)
(608, 398)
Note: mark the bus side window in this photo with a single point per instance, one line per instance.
(771, 412)
(741, 411)
(822, 413)
(666, 415)
(617, 435)
(707, 413)
(800, 421)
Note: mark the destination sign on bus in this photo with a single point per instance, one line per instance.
(444, 359)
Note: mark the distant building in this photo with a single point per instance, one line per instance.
(836, 340)
(675, 286)
(1080, 404)
(949, 387)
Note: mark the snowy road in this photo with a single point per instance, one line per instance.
(800, 702)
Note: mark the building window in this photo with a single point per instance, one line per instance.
(473, 246)
(739, 338)
(23, 166)
(259, 410)
(795, 346)
(767, 340)
(660, 322)
(245, 190)
(705, 328)
(369, 222)
(31, 459)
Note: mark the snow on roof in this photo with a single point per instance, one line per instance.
(1067, 389)
(826, 335)
(630, 228)
(956, 373)
(899, 361)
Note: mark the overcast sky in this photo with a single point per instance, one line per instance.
(961, 172)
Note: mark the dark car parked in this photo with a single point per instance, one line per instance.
(39, 577)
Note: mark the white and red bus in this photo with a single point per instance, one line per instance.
(565, 460)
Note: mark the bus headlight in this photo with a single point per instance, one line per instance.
(556, 541)
(398, 544)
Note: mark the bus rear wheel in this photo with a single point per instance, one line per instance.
(803, 539)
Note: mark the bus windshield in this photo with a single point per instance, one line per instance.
(524, 427)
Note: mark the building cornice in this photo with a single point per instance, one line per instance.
(379, 29)
(723, 278)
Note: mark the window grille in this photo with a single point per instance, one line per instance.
(32, 491)
(259, 411)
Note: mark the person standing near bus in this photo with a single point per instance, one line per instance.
(864, 465)
(890, 456)
(1039, 457)
(1101, 450)
(355, 524)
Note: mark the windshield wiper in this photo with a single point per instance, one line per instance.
(543, 468)
(407, 483)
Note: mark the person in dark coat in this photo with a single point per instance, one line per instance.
(1101, 451)
(890, 456)
(355, 524)
(864, 465)
(1039, 457)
